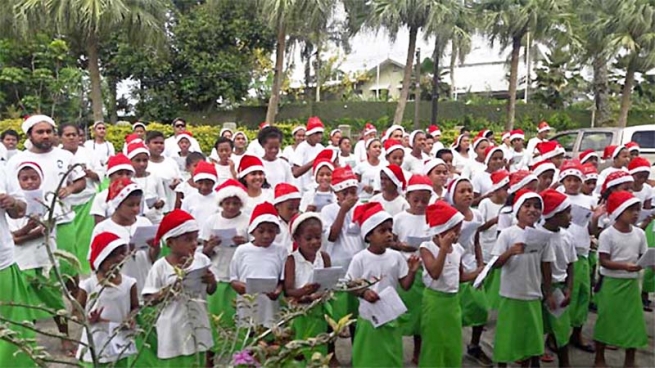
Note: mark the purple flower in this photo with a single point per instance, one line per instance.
(243, 358)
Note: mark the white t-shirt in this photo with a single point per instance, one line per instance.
(435, 148)
(223, 253)
(186, 189)
(288, 153)
(394, 207)
(236, 159)
(448, 282)
(349, 160)
(623, 248)
(581, 233)
(414, 165)
(467, 240)
(101, 151)
(645, 194)
(277, 172)
(565, 254)
(255, 149)
(305, 269)
(369, 175)
(265, 196)
(488, 210)
(388, 267)
(99, 206)
(517, 160)
(171, 147)
(32, 253)
(316, 198)
(481, 182)
(520, 277)
(183, 326)
(251, 261)
(167, 171)
(116, 306)
(90, 161)
(360, 151)
(201, 207)
(472, 168)
(349, 241)
(283, 238)
(411, 229)
(224, 173)
(460, 162)
(153, 190)
(304, 154)
(531, 149)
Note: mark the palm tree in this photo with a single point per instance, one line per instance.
(92, 21)
(509, 21)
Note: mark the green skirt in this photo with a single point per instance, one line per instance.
(559, 327)
(411, 323)
(519, 330)
(441, 330)
(342, 305)
(581, 293)
(621, 319)
(311, 325)
(45, 292)
(377, 347)
(67, 241)
(15, 289)
(84, 224)
(491, 288)
(222, 304)
(648, 285)
(146, 339)
(185, 361)
(122, 363)
(475, 309)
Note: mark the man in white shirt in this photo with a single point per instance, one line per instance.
(170, 144)
(307, 152)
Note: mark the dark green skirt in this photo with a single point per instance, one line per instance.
(45, 292)
(519, 330)
(146, 339)
(14, 289)
(377, 347)
(311, 325)
(411, 322)
(621, 319)
(342, 305)
(67, 241)
(491, 288)
(475, 309)
(184, 361)
(122, 363)
(581, 294)
(441, 330)
(559, 327)
(84, 224)
(648, 285)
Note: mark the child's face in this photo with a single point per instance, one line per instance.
(345, 146)
(396, 157)
(517, 144)
(231, 207)
(624, 186)
(271, 148)
(375, 149)
(184, 145)
(545, 180)
(140, 163)
(502, 193)
(29, 179)
(479, 150)
(299, 136)
(439, 176)
(184, 246)
(418, 201)
(227, 134)
(639, 179)
(557, 160)
(572, 184)
(563, 219)
(265, 233)
(463, 194)
(156, 146)
(386, 184)
(192, 167)
(622, 159)
(315, 138)
(397, 135)
(419, 141)
(346, 193)
(323, 178)
(255, 179)
(334, 139)
(140, 132)
(130, 207)
(589, 186)
(456, 231)
(448, 159)
(115, 257)
(496, 161)
(224, 151)
(381, 235)
(427, 145)
(309, 236)
(205, 186)
(287, 209)
(530, 211)
(593, 160)
(631, 214)
(10, 142)
(239, 141)
(120, 174)
(633, 154)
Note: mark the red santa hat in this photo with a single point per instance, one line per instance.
(264, 212)
(183, 135)
(393, 128)
(542, 167)
(263, 125)
(102, 246)
(412, 136)
(119, 190)
(132, 138)
(485, 133)
(587, 155)
(297, 129)
(328, 154)
(249, 164)
(633, 146)
(137, 125)
(543, 127)
(554, 202)
(590, 172)
(205, 170)
(490, 152)
(343, 178)
(616, 178)
(519, 180)
(516, 134)
(571, 168)
(442, 217)
(31, 121)
(434, 131)
(618, 202)
(452, 186)
(549, 149)
(369, 129)
(612, 152)
(391, 145)
(231, 188)
(430, 164)
(477, 141)
(320, 163)
(175, 223)
(639, 164)
(32, 165)
(505, 135)
(136, 148)
(396, 175)
(522, 196)
(499, 179)
(117, 163)
(314, 125)
(285, 192)
(369, 216)
(419, 182)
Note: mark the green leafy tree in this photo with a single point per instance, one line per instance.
(558, 81)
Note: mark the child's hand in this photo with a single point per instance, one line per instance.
(208, 247)
(349, 202)
(64, 192)
(238, 240)
(7, 201)
(550, 302)
(494, 221)
(404, 247)
(446, 241)
(151, 243)
(631, 267)
(174, 183)
(214, 241)
(94, 316)
(600, 210)
(208, 278)
(230, 163)
(370, 296)
(311, 208)
(414, 262)
(517, 248)
(310, 288)
(567, 298)
(159, 204)
(368, 189)
(274, 294)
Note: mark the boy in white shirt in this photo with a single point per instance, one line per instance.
(201, 204)
(154, 195)
(307, 152)
(118, 167)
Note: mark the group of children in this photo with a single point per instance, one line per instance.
(419, 221)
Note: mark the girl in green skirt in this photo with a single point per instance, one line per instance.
(519, 330)
(621, 319)
(441, 319)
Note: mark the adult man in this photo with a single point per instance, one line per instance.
(170, 144)
(307, 152)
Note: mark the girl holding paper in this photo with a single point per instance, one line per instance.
(315, 200)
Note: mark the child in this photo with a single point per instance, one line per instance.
(460, 152)
(414, 160)
(277, 170)
(183, 328)
(619, 156)
(118, 167)
(476, 165)
(392, 183)
(201, 204)
(518, 159)
(441, 314)
(108, 308)
(589, 157)
(346, 157)
(307, 151)
(298, 134)
(286, 202)
(240, 141)
(640, 169)
(262, 259)
(321, 196)
(437, 170)
(368, 133)
(411, 230)
(621, 319)
(153, 186)
(368, 172)
(545, 173)
(164, 167)
(188, 187)
(590, 178)
(394, 152)
(381, 346)
(307, 233)
(434, 132)
(557, 217)
(335, 136)
(494, 160)
(550, 151)
(225, 167)
(183, 141)
(251, 175)
(519, 330)
(446, 154)
(634, 149)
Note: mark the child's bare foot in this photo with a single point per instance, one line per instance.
(68, 348)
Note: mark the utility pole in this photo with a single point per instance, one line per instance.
(435, 83)
(417, 90)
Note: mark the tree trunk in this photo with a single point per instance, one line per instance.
(308, 72)
(435, 82)
(513, 78)
(318, 68)
(625, 96)
(453, 59)
(601, 91)
(112, 109)
(409, 64)
(94, 76)
(279, 70)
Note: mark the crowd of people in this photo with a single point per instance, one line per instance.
(453, 232)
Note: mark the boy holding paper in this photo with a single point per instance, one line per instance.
(201, 204)
(381, 346)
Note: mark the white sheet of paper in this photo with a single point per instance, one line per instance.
(34, 200)
(193, 280)
(150, 202)
(580, 215)
(643, 214)
(468, 232)
(647, 259)
(535, 239)
(558, 295)
(225, 235)
(327, 277)
(416, 241)
(261, 285)
(385, 310)
(142, 234)
(485, 272)
(322, 200)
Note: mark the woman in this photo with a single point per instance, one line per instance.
(460, 149)
(298, 134)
